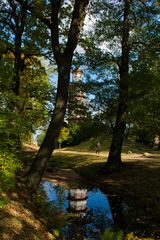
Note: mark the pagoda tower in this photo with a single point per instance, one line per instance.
(78, 104)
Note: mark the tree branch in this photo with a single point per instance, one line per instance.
(77, 22)
(144, 4)
(34, 12)
(10, 24)
(55, 5)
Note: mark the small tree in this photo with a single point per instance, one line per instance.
(63, 136)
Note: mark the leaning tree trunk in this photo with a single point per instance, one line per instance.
(114, 158)
(50, 141)
(63, 59)
(20, 21)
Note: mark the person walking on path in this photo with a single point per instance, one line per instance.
(98, 148)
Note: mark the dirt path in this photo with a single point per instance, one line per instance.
(63, 177)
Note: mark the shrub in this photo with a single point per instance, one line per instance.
(109, 235)
(9, 164)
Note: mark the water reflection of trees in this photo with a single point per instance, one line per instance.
(61, 195)
(81, 223)
(86, 223)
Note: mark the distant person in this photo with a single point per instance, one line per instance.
(98, 148)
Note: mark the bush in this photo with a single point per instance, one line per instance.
(80, 132)
(109, 235)
(9, 164)
(144, 136)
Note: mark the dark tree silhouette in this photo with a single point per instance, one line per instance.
(114, 158)
(63, 58)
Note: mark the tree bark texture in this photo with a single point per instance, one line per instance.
(49, 143)
(63, 61)
(17, 66)
(114, 159)
(18, 29)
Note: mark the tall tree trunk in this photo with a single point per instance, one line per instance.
(17, 66)
(19, 16)
(63, 61)
(114, 158)
(14, 104)
(50, 141)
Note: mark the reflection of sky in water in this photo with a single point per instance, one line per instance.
(99, 205)
(53, 193)
(98, 200)
(98, 213)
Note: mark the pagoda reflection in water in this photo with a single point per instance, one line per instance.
(77, 205)
(77, 201)
(87, 210)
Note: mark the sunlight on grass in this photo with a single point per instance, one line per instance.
(68, 160)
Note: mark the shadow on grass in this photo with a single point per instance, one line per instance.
(17, 222)
(18, 230)
(136, 185)
(138, 192)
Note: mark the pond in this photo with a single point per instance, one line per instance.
(86, 211)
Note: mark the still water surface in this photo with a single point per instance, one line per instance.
(85, 214)
(89, 209)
